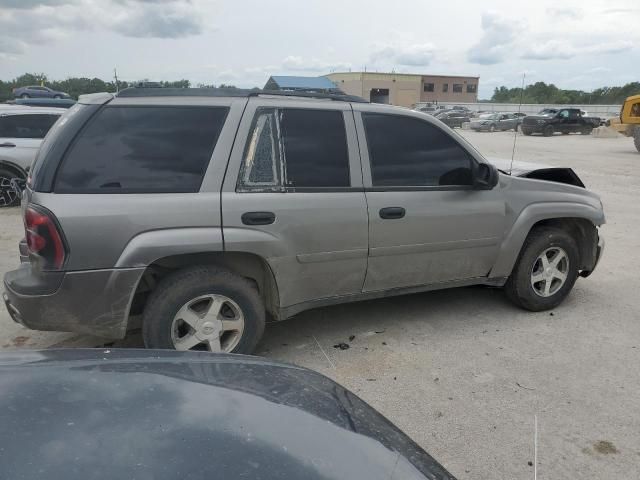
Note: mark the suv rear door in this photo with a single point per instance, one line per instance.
(507, 121)
(293, 195)
(427, 223)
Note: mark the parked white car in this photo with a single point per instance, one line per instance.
(21, 132)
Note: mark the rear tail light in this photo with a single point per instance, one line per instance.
(44, 238)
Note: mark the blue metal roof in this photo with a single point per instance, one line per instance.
(287, 81)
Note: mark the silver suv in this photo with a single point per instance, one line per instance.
(21, 132)
(206, 212)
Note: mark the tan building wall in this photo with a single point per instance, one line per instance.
(406, 89)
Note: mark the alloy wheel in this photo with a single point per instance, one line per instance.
(549, 272)
(209, 322)
(8, 194)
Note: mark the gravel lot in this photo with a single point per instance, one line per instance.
(463, 372)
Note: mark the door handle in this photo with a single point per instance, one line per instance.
(258, 218)
(390, 213)
(7, 144)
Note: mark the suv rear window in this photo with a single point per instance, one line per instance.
(142, 149)
(32, 125)
(295, 148)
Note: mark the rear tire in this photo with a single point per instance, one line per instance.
(24, 95)
(8, 196)
(548, 131)
(183, 289)
(523, 289)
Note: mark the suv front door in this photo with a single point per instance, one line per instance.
(293, 195)
(427, 222)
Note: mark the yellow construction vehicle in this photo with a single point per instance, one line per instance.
(628, 123)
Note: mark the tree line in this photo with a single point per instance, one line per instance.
(541, 92)
(76, 86)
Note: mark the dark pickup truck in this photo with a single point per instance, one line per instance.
(565, 120)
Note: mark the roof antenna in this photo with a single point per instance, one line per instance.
(515, 133)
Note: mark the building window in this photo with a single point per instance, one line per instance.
(457, 88)
(428, 87)
(445, 87)
(472, 88)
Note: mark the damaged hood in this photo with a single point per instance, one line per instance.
(537, 171)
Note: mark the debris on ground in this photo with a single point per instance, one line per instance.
(380, 331)
(19, 341)
(605, 447)
(342, 346)
(522, 386)
(384, 343)
(352, 338)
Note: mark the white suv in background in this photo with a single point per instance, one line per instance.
(22, 129)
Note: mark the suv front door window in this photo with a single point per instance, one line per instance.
(427, 223)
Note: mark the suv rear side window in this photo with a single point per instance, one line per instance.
(142, 149)
(295, 148)
(34, 125)
(408, 152)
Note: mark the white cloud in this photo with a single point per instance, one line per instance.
(564, 13)
(563, 49)
(295, 63)
(496, 41)
(38, 22)
(413, 55)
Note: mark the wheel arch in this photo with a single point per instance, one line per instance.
(579, 220)
(244, 264)
(17, 169)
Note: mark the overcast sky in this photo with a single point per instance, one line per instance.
(574, 44)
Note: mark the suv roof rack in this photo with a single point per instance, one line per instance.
(234, 92)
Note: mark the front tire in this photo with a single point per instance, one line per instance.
(204, 308)
(24, 95)
(586, 131)
(492, 128)
(636, 138)
(546, 270)
(526, 131)
(548, 131)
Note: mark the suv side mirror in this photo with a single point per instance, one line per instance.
(485, 176)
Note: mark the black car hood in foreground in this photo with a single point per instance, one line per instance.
(144, 414)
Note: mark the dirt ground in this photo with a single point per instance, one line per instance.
(463, 372)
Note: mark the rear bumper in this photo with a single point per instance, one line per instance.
(94, 302)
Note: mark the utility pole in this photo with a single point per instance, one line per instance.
(115, 76)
